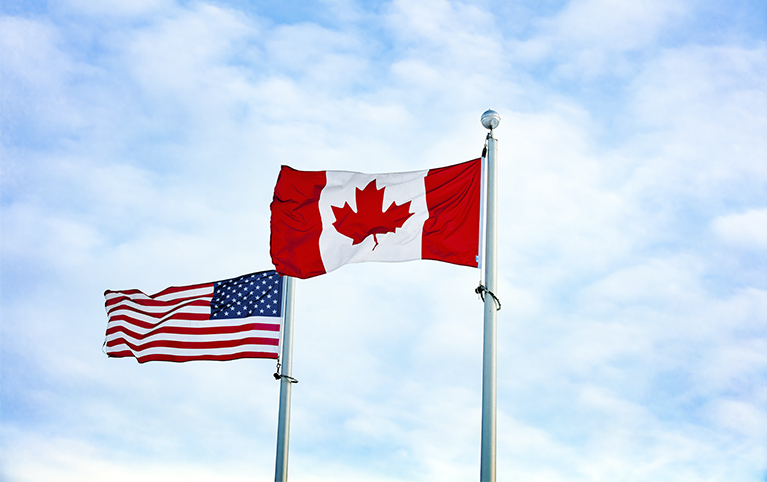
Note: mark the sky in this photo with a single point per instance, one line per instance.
(140, 141)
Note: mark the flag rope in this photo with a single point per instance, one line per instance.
(482, 208)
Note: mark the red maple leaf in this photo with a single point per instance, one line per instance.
(370, 217)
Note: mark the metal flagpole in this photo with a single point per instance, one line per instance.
(490, 120)
(286, 380)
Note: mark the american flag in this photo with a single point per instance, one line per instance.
(224, 320)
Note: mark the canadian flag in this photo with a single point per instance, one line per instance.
(322, 220)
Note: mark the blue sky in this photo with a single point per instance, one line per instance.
(140, 145)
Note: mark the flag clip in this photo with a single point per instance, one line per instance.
(481, 290)
(278, 375)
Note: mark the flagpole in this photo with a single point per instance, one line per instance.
(286, 380)
(490, 120)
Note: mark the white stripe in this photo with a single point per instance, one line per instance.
(404, 244)
(191, 353)
(205, 310)
(201, 292)
(274, 335)
(214, 323)
(161, 309)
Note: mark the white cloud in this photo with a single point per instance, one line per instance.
(701, 113)
(460, 38)
(30, 52)
(71, 460)
(117, 8)
(674, 282)
(34, 71)
(433, 20)
(747, 229)
(590, 38)
(611, 24)
(739, 417)
(186, 54)
(318, 55)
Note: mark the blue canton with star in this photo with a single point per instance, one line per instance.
(256, 294)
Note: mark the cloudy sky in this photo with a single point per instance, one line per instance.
(141, 140)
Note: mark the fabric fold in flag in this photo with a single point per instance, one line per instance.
(224, 320)
(322, 220)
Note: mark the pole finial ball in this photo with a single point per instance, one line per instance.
(490, 119)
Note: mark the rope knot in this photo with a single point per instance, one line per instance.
(481, 290)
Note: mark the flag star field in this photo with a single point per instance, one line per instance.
(254, 294)
(144, 143)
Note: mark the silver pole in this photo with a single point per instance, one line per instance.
(283, 422)
(490, 120)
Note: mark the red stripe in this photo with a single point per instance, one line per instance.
(149, 325)
(127, 292)
(451, 233)
(172, 308)
(115, 302)
(129, 295)
(186, 358)
(195, 345)
(296, 223)
(191, 330)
